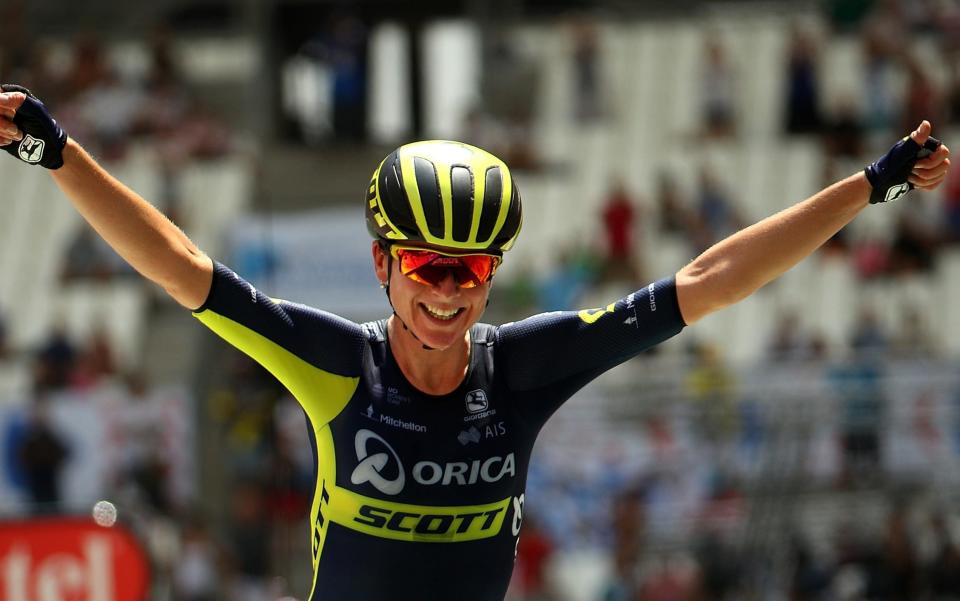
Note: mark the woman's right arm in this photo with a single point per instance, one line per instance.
(142, 235)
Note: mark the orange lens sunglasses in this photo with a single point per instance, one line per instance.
(431, 268)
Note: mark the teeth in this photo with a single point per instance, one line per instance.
(441, 313)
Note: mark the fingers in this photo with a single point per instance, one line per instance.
(934, 159)
(922, 132)
(930, 178)
(10, 102)
(930, 172)
(9, 132)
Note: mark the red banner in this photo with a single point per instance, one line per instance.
(70, 559)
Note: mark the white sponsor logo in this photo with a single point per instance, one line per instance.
(427, 473)
(895, 192)
(462, 473)
(91, 574)
(402, 424)
(517, 514)
(30, 149)
(391, 421)
(370, 467)
(652, 292)
(477, 401)
(474, 434)
(478, 406)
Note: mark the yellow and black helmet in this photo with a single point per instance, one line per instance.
(444, 194)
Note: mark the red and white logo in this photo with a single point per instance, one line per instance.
(70, 559)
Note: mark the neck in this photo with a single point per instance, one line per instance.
(435, 372)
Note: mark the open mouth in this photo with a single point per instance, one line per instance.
(440, 313)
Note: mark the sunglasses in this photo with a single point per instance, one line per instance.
(431, 268)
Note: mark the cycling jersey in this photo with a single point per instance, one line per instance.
(420, 497)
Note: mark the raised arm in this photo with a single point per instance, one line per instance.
(739, 265)
(141, 234)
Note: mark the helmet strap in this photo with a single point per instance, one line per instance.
(386, 288)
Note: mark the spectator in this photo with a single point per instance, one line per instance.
(871, 257)
(4, 338)
(676, 218)
(951, 209)
(108, 111)
(717, 92)
(914, 246)
(575, 269)
(924, 96)
(249, 549)
(803, 87)
(507, 78)
(869, 336)
(196, 574)
(812, 574)
(788, 342)
(95, 361)
(628, 521)
(881, 40)
(914, 340)
(586, 63)
(943, 574)
(894, 573)
(721, 568)
(859, 388)
(42, 454)
(619, 217)
(844, 133)
(54, 362)
(717, 217)
(952, 96)
(712, 386)
(88, 257)
(534, 551)
(670, 578)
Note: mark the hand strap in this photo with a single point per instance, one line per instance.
(888, 175)
(43, 139)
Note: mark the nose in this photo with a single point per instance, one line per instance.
(448, 286)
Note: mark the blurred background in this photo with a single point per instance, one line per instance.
(803, 445)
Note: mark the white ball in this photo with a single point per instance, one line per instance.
(105, 513)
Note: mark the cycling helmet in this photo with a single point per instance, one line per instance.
(445, 195)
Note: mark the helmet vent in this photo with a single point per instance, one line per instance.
(429, 190)
(492, 195)
(461, 192)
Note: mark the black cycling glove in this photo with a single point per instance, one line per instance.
(43, 139)
(888, 175)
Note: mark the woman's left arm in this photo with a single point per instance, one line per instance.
(739, 265)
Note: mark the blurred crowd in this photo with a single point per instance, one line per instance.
(909, 69)
(105, 103)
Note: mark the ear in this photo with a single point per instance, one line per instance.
(380, 262)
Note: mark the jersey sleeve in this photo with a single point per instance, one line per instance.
(315, 354)
(567, 349)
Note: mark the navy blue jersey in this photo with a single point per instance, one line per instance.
(420, 497)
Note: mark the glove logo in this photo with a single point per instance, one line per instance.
(895, 192)
(30, 149)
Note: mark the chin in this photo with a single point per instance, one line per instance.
(441, 336)
(441, 340)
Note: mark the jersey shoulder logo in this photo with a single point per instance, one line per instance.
(590, 316)
(30, 149)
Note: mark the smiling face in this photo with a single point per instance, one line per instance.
(438, 315)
